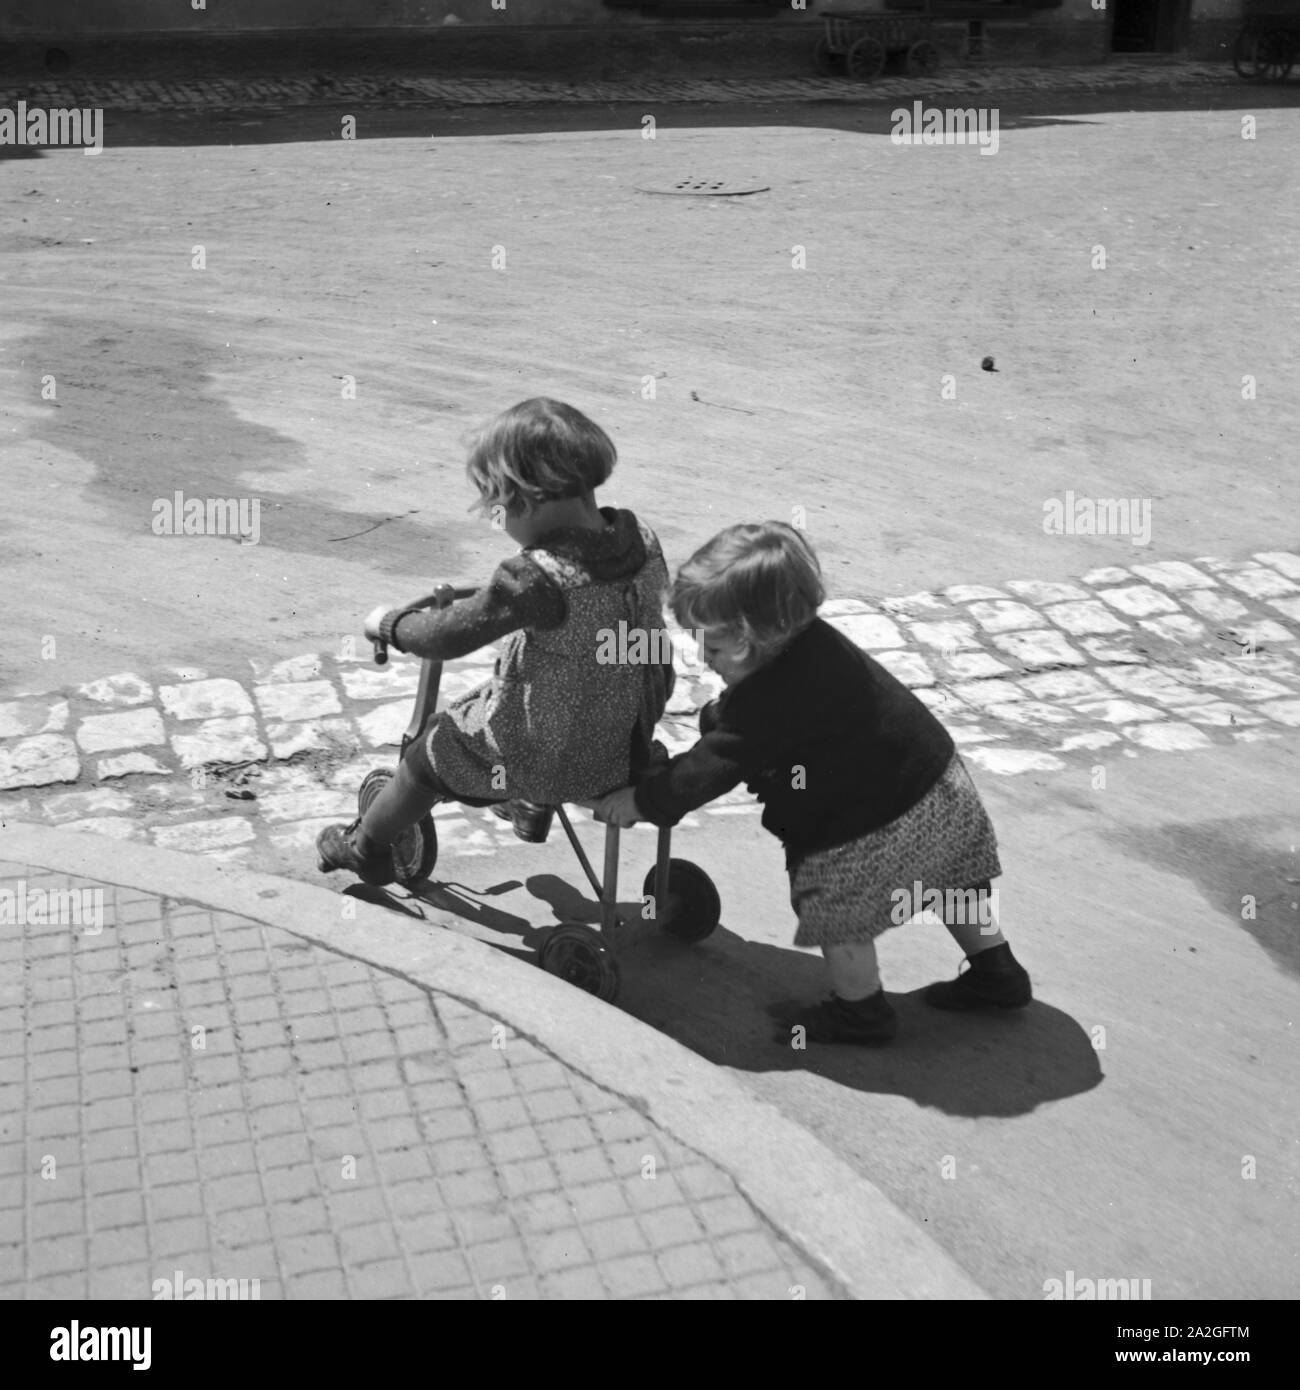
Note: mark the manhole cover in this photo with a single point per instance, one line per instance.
(706, 188)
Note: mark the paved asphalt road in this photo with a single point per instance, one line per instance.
(775, 388)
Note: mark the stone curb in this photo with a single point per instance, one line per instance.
(839, 1220)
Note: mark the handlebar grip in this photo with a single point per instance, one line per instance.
(442, 597)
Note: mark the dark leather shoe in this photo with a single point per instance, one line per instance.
(867, 1022)
(995, 980)
(336, 848)
(532, 822)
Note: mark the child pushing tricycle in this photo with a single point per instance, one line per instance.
(858, 779)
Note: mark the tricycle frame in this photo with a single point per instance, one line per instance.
(575, 951)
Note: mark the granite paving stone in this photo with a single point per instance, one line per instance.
(1138, 600)
(20, 717)
(1259, 582)
(298, 700)
(1174, 627)
(38, 762)
(1215, 606)
(206, 699)
(874, 632)
(136, 728)
(1284, 561)
(989, 660)
(1174, 574)
(123, 689)
(1006, 616)
(1086, 618)
(232, 740)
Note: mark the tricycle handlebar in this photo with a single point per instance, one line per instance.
(442, 597)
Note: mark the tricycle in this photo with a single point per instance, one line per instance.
(678, 896)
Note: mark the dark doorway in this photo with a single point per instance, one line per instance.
(1149, 26)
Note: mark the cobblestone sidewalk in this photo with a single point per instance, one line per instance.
(227, 93)
(186, 1095)
(1029, 677)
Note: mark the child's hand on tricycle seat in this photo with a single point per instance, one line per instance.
(617, 807)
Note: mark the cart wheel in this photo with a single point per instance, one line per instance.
(1243, 54)
(693, 907)
(1273, 55)
(923, 58)
(415, 851)
(829, 63)
(579, 957)
(866, 59)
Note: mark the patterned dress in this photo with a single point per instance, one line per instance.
(559, 721)
(945, 841)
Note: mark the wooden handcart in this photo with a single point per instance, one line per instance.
(1268, 43)
(860, 42)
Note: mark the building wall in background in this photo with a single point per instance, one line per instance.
(1069, 30)
(49, 18)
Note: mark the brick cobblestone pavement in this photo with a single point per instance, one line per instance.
(1029, 677)
(199, 93)
(189, 1095)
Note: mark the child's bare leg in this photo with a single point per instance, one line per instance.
(854, 970)
(996, 979)
(858, 1012)
(978, 930)
(401, 803)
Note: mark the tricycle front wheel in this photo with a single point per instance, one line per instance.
(577, 955)
(415, 851)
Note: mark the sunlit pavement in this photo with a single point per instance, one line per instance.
(1149, 895)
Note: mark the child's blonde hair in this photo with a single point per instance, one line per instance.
(759, 581)
(540, 450)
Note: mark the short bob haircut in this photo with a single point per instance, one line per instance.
(540, 450)
(760, 582)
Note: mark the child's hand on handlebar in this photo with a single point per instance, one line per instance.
(374, 618)
(618, 808)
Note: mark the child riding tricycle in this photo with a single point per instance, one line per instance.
(556, 723)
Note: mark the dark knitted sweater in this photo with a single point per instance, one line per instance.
(830, 742)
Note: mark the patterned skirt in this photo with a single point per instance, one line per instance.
(851, 892)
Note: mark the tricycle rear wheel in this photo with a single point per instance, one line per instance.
(692, 908)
